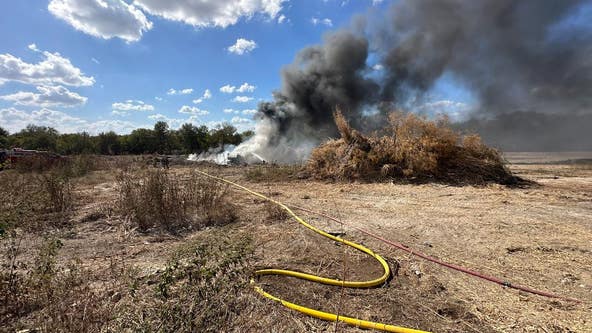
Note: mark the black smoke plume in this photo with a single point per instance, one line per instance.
(527, 63)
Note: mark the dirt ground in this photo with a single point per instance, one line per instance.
(538, 236)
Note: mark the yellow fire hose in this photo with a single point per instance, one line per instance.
(351, 284)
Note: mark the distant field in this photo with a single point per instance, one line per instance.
(546, 157)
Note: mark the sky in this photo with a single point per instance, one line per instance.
(100, 65)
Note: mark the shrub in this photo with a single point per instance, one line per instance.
(210, 201)
(410, 148)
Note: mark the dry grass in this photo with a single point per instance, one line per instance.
(204, 288)
(35, 202)
(101, 276)
(155, 199)
(272, 173)
(274, 212)
(47, 297)
(409, 148)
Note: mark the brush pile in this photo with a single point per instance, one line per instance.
(409, 148)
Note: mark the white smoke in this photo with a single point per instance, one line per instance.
(260, 149)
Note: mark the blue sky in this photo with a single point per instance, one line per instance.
(98, 65)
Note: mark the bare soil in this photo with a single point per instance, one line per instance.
(538, 236)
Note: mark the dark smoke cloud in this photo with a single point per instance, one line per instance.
(530, 71)
(511, 54)
(321, 78)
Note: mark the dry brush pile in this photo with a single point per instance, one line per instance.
(410, 148)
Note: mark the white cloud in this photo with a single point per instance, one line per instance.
(242, 46)
(239, 120)
(14, 120)
(249, 111)
(102, 18)
(281, 19)
(228, 89)
(158, 98)
(173, 123)
(208, 13)
(245, 87)
(231, 111)
(185, 91)
(33, 47)
(325, 21)
(117, 126)
(132, 105)
(53, 70)
(120, 113)
(48, 96)
(376, 2)
(242, 99)
(206, 95)
(193, 110)
(95, 61)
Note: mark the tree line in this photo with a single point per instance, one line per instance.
(160, 139)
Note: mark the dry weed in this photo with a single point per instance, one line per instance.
(202, 289)
(156, 199)
(46, 297)
(411, 148)
(35, 202)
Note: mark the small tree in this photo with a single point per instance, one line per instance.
(223, 135)
(3, 138)
(162, 136)
(188, 138)
(37, 137)
(108, 143)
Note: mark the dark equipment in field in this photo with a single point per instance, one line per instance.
(11, 157)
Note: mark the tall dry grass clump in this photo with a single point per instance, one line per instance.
(156, 199)
(35, 202)
(410, 147)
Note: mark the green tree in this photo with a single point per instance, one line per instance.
(37, 137)
(162, 137)
(223, 135)
(189, 136)
(3, 138)
(75, 143)
(109, 143)
(141, 141)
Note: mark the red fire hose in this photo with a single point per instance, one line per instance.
(442, 263)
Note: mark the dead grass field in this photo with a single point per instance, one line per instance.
(539, 236)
